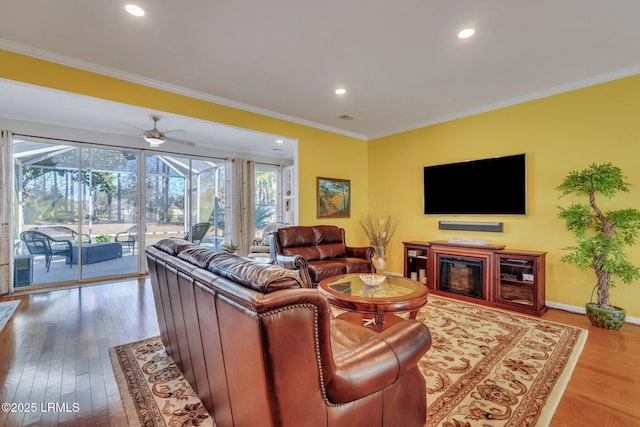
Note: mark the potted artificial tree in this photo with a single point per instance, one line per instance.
(600, 237)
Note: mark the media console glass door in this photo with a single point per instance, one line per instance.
(520, 281)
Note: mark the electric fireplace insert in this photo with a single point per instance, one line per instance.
(462, 276)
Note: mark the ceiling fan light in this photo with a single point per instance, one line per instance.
(154, 141)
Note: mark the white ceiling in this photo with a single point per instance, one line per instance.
(401, 62)
(62, 109)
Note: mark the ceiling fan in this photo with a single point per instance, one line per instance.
(155, 137)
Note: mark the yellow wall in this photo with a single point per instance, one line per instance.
(559, 134)
(320, 153)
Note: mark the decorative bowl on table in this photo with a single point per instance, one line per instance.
(371, 279)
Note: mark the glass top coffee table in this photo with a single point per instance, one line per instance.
(375, 306)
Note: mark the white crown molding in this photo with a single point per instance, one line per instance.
(556, 90)
(134, 78)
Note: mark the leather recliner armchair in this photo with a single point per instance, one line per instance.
(260, 350)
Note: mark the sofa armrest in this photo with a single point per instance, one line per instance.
(365, 252)
(292, 262)
(378, 362)
(298, 263)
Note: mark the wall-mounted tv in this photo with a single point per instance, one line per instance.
(495, 186)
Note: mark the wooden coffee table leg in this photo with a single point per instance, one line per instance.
(379, 322)
(375, 322)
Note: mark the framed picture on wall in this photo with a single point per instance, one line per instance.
(334, 198)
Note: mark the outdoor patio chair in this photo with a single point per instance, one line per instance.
(60, 232)
(39, 243)
(198, 231)
(128, 238)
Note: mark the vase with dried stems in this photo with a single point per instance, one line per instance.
(379, 229)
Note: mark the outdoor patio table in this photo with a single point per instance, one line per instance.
(96, 252)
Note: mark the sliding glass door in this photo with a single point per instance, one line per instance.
(184, 197)
(166, 188)
(85, 212)
(47, 208)
(266, 197)
(109, 194)
(207, 202)
(73, 206)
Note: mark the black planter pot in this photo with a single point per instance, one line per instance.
(606, 319)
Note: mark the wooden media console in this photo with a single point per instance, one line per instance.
(485, 274)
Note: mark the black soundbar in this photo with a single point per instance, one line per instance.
(471, 226)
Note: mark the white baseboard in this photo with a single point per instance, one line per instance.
(581, 310)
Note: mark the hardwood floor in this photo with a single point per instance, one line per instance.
(54, 350)
(604, 389)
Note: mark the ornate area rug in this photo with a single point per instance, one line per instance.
(6, 311)
(489, 367)
(153, 390)
(486, 367)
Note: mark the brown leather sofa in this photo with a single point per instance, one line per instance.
(260, 350)
(317, 252)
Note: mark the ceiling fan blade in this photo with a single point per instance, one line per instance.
(175, 130)
(181, 141)
(126, 135)
(135, 127)
(156, 133)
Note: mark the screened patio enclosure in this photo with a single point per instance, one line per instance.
(85, 212)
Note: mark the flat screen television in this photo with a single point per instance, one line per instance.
(495, 186)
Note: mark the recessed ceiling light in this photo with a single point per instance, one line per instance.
(341, 91)
(279, 141)
(134, 10)
(466, 33)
